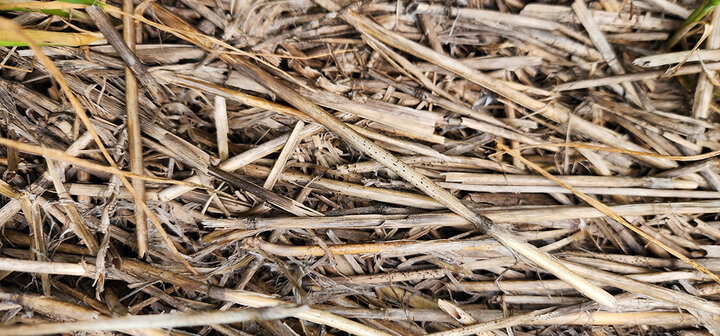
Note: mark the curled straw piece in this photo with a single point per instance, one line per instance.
(606, 210)
(379, 154)
(9, 25)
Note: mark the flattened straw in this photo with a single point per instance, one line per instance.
(580, 318)
(671, 7)
(47, 267)
(8, 190)
(135, 152)
(221, 127)
(646, 192)
(80, 111)
(636, 76)
(285, 154)
(492, 325)
(49, 306)
(369, 248)
(683, 158)
(428, 26)
(172, 320)
(679, 57)
(576, 180)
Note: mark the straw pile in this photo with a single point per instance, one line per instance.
(334, 167)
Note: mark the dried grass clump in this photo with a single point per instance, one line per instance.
(368, 168)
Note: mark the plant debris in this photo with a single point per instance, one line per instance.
(333, 167)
